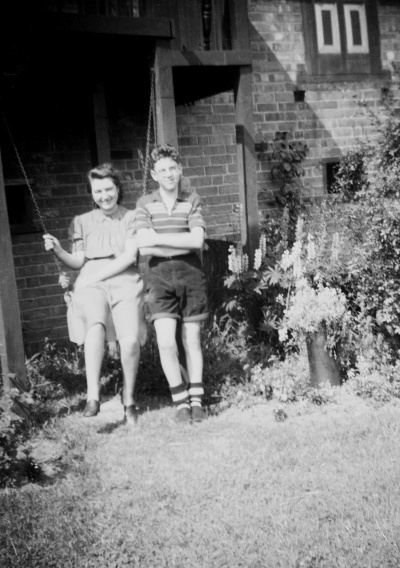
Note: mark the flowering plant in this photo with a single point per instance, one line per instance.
(310, 310)
(312, 303)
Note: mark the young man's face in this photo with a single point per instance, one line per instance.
(167, 174)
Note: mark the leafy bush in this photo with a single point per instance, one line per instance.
(16, 464)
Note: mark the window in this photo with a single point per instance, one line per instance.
(327, 21)
(341, 38)
(356, 28)
(330, 168)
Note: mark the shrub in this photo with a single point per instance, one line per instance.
(16, 465)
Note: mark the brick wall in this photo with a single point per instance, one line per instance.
(207, 144)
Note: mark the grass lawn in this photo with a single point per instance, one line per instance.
(321, 489)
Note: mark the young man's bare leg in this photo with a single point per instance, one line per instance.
(166, 330)
(191, 336)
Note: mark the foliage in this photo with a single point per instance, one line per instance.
(279, 381)
(227, 354)
(375, 375)
(369, 175)
(251, 299)
(15, 461)
(287, 156)
(350, 175)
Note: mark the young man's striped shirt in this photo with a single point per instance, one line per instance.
(151, 213)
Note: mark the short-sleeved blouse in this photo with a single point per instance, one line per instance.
(116, 302)
(102, 236)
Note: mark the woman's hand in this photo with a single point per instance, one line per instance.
(51, 243)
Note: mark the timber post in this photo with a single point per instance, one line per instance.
(165, 112)
(12, 355)
(246, 159)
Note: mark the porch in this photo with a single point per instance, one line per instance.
(78, 59)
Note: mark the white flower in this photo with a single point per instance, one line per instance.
(286, 260)
(237, 262)
(335, 247)
(311, 251)
(257, 259)
(63, 280)
(263, 244)
(283, 334)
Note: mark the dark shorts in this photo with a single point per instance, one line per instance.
(177, 288)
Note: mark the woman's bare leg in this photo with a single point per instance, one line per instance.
(94, 353)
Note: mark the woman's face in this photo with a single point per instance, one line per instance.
(105, 195)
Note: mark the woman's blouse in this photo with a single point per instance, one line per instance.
(102, 236)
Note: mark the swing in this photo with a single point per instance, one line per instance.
(63, 279)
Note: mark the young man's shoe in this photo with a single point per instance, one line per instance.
(130, 414)
(91, 409)
(198, 413)
(183, 415)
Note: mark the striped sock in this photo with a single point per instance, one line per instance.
(180, 396)
(196, 392)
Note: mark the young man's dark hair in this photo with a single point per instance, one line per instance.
(164, 151)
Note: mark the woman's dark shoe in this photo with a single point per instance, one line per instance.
(130, 414)
(91, 409)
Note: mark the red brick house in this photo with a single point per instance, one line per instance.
(75, 90)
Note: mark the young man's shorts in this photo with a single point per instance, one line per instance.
(177, 288)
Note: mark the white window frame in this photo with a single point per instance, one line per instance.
(332, 8)
(351, 48)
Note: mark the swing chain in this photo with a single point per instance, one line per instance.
(40, 217)
(151, 120)
(63, 278)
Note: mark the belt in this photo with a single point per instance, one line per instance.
(112, 256)
(177, 257)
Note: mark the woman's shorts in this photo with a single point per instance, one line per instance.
(177, 288)
(117, 303)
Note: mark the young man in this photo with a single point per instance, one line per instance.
(170, 229)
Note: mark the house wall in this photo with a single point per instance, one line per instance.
(328, 121)
(56, 150)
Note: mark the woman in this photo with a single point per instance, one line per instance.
(107, 300)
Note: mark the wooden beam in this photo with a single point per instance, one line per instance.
(79, 23)
(167, 132)
(12, 355)
(211, 58)
(246, 159)
(101, 125)
(239, 21)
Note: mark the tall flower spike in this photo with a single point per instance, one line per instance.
(263, 245)
(245, 262)
(299, 229)
(257, 259)
(311, 251)
(335, 247)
